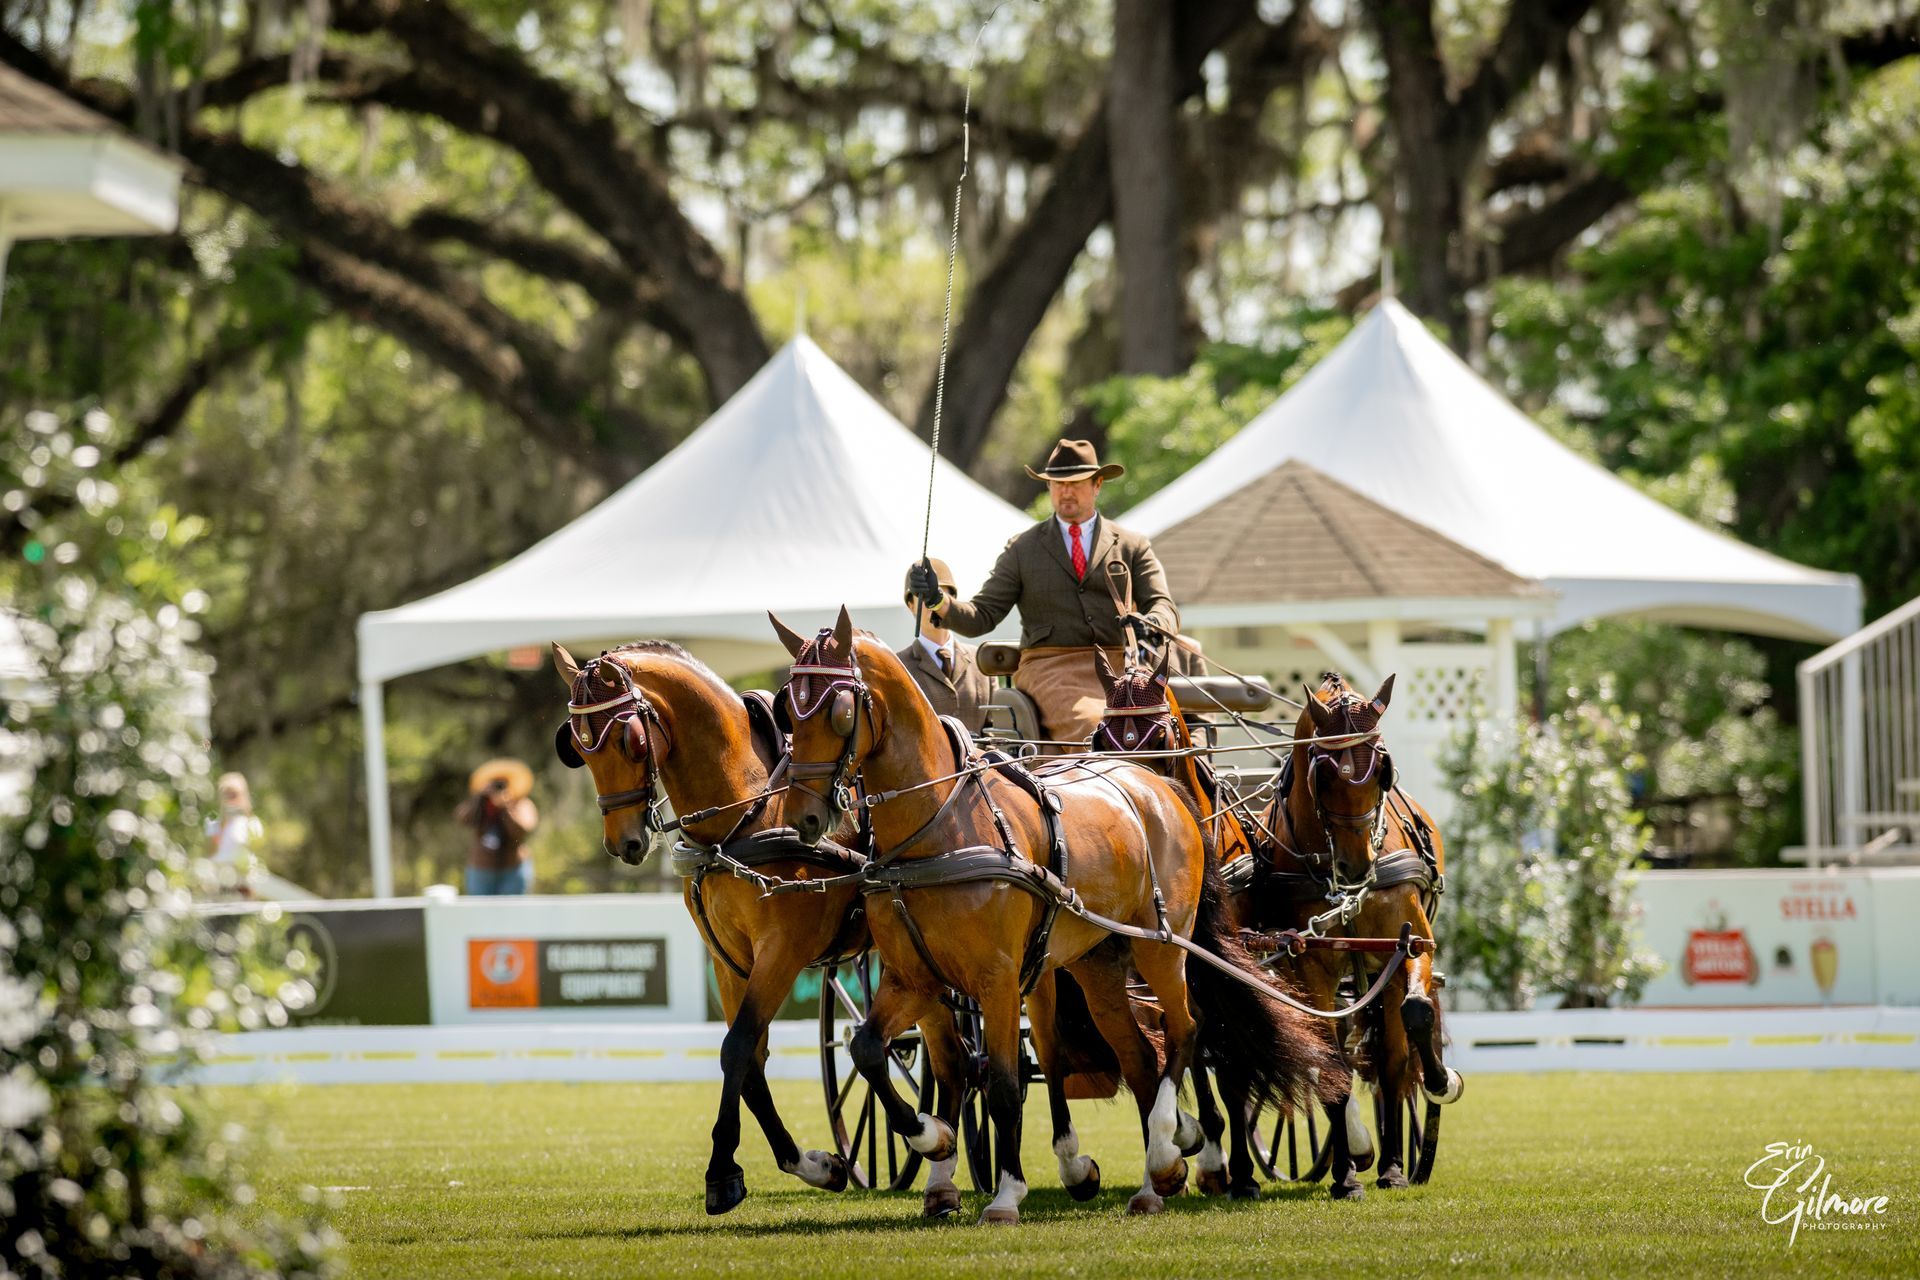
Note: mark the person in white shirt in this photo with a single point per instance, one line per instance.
(235, 834)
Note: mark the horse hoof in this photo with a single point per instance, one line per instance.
(1189, 1136)
(1145, 1202)
(1248, 1190)
(941, 1202)
(994, 1216)
(1088, 1187)
(836, 1173)
(1391, 1180)
(1348, 1190)
(1212, 1182)
(1172, 1180)
(725, 1194)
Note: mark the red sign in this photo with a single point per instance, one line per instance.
(502, 974)
(1719, 956)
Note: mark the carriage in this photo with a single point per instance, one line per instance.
(1285, 1148)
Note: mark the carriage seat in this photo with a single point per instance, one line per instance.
(1012, 714)
(997, 657)
(1198, 695)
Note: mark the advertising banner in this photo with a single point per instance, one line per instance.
(569, 973)
(1761, 938)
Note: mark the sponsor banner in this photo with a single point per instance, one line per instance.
(1760, 938)
(566, 973)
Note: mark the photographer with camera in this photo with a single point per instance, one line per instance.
(501, 816)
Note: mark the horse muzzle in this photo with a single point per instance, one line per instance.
(631, 850)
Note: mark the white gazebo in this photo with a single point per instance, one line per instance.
(65, 171)
(799, 495)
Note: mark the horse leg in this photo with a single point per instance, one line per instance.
(1103, 978)
(1000, 1025)
(726, 1183)
(942, 1043)
(1392, 1082)
(1164, 968)
(895, 1008)
(1323, 982)
(1213, 1164)
(771, 980)
(1079, 1174)
(1420, 1014)
(1241, 1184)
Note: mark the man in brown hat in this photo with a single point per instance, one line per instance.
(943, 667)
(501, 817)
(1071, 576)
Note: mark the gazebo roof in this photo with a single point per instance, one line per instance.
(67, 171)
(27, 106)
(1297, 535)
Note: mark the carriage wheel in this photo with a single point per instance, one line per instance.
(976, 1125)
(1287, 1151)
(1423, 1143)
(876, 1156)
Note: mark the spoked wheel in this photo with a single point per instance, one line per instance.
(1423, 1140)
(876, 1156)
(1291, 1148)
(976, 1123)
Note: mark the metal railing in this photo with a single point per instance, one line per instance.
(1860, 743)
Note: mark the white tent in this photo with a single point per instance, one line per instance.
(799, 495)
(1397, 416)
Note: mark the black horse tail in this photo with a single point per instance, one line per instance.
(1280, 1055)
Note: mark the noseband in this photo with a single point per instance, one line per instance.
(1125, 729)
(845, 698)
(637, 722)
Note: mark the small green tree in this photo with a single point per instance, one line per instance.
(1540, 857)
(106, 974)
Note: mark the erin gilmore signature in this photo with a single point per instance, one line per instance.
(1798, 1189)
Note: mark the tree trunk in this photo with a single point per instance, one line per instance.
(1143, 130)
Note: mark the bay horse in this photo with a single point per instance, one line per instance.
(962, 853)
(647, 718)
(1143, 716)
(1340, 827)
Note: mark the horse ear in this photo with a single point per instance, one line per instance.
(1106, 672)
(563, 663)
(1322, 718)
(788, 636)
(1382, 698)
(843, 633)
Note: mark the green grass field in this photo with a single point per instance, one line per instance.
(1626, 1175)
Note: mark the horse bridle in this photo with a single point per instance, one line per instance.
(637, 726)
(845, 698)
(1110, 735)
(1373, 821)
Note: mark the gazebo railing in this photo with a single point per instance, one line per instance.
(1860, 742)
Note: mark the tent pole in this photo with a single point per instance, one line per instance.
(1540, 671)
(373, 720)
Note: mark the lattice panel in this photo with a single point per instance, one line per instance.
(1439, 692)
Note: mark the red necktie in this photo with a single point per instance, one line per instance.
(1079, 552)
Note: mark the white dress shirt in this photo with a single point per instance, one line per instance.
(935, 650)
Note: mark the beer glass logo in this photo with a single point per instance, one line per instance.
(1825, 958)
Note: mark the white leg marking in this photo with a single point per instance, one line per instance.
(940, 1172)
(1161, 1122)
(815, 1168)
(1359, 1141)
(1074, 1167)
(1012, 1192)
(929, 1137)
(1211, 1159)
(1187, 1132)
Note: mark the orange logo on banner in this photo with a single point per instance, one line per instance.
(501, 974)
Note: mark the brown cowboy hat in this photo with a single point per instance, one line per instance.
(941, 574)
(518, 777)
(1076, 460)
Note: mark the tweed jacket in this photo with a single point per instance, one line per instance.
(1034, 575)
(963, 695)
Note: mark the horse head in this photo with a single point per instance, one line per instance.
(1347, 770)
(832, 715)
(1139, 716)
(615, 731)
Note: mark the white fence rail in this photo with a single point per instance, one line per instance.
(1860, 744)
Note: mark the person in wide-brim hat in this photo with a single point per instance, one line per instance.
(515, 773)
(1076, 460)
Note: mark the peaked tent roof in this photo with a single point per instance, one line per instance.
(1396, 415)
(800, 494)
(1297, 534)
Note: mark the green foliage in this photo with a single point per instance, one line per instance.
(106, 970)
(1540, 856)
